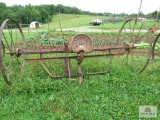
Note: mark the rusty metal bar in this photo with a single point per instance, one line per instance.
(67, 67)
(79, 61)
(38, 51)
(104, 48)
(67, 64)
(71, 57)
(63, 50)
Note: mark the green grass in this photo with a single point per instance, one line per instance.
(113, 96)
(110, 26)
(71, 20)
(116, 95)
(74, 20)
(118, 25)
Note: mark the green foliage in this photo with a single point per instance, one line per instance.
(28, 13)
(154, 15)
(47, 38)
(3, 8)
(157, 47)
(30, 39)
(44, 13)
(142, 45)
(53, 41)
(116, 95)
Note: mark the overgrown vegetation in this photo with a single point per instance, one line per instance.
(116, 95)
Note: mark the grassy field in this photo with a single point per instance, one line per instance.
(72, 21)
(116, 95)
(118, 25)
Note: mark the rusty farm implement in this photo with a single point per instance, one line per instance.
(78, 55)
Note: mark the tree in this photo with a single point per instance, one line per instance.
(59, 8)
(44, 15)
(75, 10)
(32, 14)
(3, 8)
(156, 15)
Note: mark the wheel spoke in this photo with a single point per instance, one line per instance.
(138, 56)
(11, 63)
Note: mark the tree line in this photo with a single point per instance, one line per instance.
(29, 13)
(44, 13)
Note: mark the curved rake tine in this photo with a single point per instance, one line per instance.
(19, 63)
(125, 58)
(9, 65)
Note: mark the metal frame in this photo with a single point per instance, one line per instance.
(81, 50)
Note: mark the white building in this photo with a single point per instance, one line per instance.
(35, 24)
(142, 19)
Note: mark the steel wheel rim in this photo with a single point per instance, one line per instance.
(135, 37)
(14, 62)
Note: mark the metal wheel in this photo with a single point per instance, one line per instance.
(137, 36)
(11, 39)
(156, 52)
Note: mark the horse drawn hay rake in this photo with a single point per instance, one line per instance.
(76, 56)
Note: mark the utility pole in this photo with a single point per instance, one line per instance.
(139, 9)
